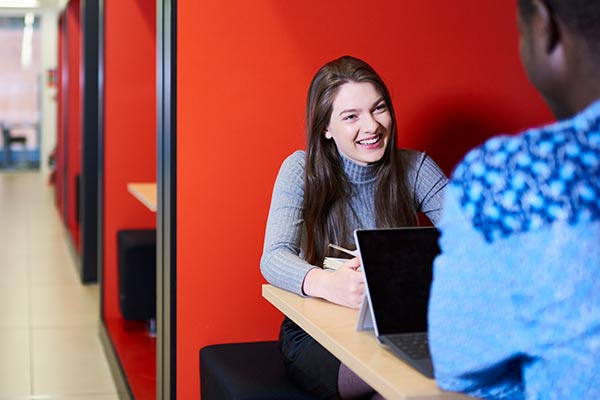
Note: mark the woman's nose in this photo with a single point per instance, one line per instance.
(370, 124)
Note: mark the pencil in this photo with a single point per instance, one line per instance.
(343, 250)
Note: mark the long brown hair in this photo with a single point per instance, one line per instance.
(326, 186)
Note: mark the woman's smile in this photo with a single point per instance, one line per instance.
(360, 123)
(370, 143)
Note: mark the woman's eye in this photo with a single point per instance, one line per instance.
(349, 117)
(381, 107)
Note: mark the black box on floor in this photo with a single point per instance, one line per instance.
(137, 273)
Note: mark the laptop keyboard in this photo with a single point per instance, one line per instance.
(415, 345)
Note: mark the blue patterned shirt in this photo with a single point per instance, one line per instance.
(515, 302)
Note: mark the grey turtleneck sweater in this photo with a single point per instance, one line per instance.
(282, 263)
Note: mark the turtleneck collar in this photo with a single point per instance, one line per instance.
(357, 173)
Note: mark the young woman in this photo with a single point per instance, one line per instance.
(351, 176)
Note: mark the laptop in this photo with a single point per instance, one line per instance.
(397, 266)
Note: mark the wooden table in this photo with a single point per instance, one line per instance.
(334, 327)
(144, 192)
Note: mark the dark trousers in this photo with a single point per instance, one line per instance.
(308, 364)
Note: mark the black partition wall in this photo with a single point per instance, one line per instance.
(91, 109)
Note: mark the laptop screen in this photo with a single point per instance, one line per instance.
(397, 264)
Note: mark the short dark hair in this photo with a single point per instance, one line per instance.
(582, 17)
(525, 9)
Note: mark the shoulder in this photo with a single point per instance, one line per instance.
(296, 160)
(536, 151)
(513, 184)
(411, 157)
(291, 172)
(487, 157)
(415, 159)
(418, 163)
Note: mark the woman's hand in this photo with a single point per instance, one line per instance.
(344, 286)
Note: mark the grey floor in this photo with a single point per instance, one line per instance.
(49, 321)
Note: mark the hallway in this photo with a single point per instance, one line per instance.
(49, 322)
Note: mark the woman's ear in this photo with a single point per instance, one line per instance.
(327, 134)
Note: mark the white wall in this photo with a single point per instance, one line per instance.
(49, 101)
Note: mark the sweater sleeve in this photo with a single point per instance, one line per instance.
(281, 263)
(428, 185)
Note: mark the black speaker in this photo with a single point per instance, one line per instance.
(137, 273)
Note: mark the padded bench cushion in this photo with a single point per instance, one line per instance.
(245, 371)
(137, 273)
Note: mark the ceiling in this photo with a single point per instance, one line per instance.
(7, 5)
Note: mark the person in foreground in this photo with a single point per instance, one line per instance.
(351, 176)
(515, 302)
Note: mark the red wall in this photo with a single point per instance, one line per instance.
(74, 120)
(69, 117)
(129, 127)
(243, 72)
(60, 123)
(129, 156)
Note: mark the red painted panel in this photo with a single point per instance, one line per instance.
(73, 116)
(129, 127)
(61, 96)
(129, 156)
(68, 155)
(243, 72)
